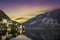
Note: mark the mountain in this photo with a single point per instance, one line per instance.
(52, 14)
(44, 26)
(21, 19)
(3, 15)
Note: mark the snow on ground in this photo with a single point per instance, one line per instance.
(21, 37)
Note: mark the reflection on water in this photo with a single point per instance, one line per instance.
(14, 32)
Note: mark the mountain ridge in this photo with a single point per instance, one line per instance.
(44, 26)
(3, 15)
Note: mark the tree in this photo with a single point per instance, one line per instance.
(13, 30)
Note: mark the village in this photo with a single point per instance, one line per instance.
(9, 28)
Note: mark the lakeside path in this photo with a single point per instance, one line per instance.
(21, 37)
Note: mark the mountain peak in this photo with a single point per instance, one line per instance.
(43, 26)
(3, 15)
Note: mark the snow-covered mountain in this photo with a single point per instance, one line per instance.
(44, 26)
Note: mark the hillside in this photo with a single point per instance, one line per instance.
(44, 26)
(3, 15)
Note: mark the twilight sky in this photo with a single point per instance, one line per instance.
(27, 8)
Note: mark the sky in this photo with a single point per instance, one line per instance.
(27, 8)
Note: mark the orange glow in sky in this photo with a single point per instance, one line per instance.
(27, 11)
